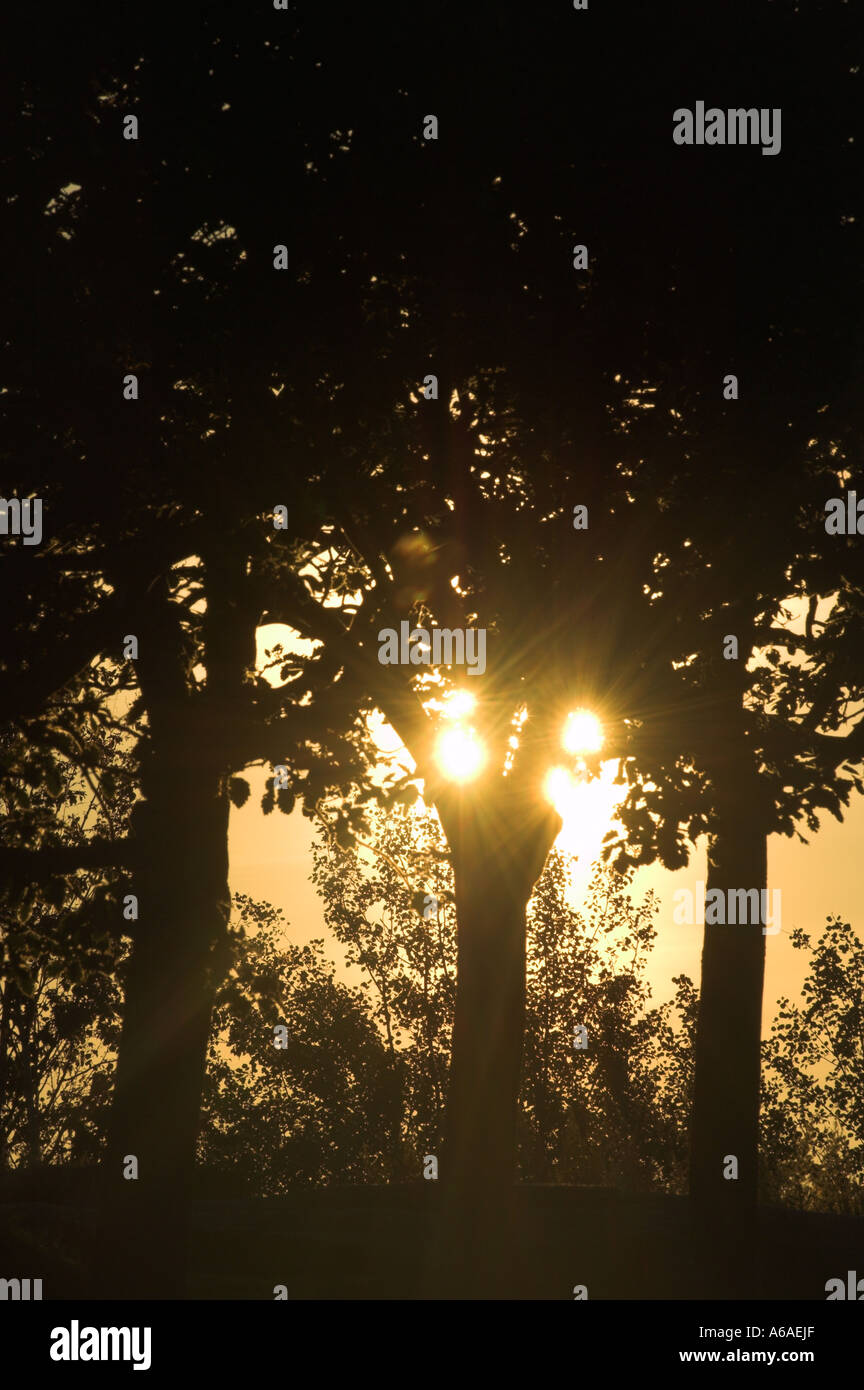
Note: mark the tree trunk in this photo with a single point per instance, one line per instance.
(175, 970)
(178, 960)
(725, 1123)
(499, 846)
(488, 1025)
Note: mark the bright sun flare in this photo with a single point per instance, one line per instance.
(458, 704)
(583, 732)
(460, 754)
(586, 808)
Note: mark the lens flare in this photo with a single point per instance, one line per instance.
(561, 789)
(460, 754)
(586, 808)
(583, 732)
(459, 704)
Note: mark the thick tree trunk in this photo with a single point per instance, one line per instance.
(488, 1025)
(725, 1123)
(176, 967)
(726, 1088)
(178, 960)
(499, 845)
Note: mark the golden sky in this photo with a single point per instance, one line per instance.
(271, 859)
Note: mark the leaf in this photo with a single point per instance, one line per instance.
(238, 791)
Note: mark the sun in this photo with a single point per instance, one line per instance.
(460, 754)
(583, 732)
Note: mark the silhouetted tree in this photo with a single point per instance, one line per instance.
(813, 1066)
(161, 252)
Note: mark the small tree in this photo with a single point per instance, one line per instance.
(813, 1081)
(318, 1107)
(609, 1105)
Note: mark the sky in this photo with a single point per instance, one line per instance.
(271, 859)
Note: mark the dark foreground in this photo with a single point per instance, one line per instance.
(374, 1243)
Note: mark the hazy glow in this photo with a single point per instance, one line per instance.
(583, 732)
(459, 704)
(460, 754)
(559, 788)
(586, 808)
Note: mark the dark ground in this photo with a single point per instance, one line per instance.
(373, 1242)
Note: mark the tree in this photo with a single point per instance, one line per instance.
(615, 1111)
(225, 389)
(610, 1106)
(62, 946)
(813, 1123)
(315, 1109)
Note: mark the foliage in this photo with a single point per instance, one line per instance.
(813, 1080)
(315, 1110)
(61, 951)
(357, 1095)
(365, 1073)
(615, 1112)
